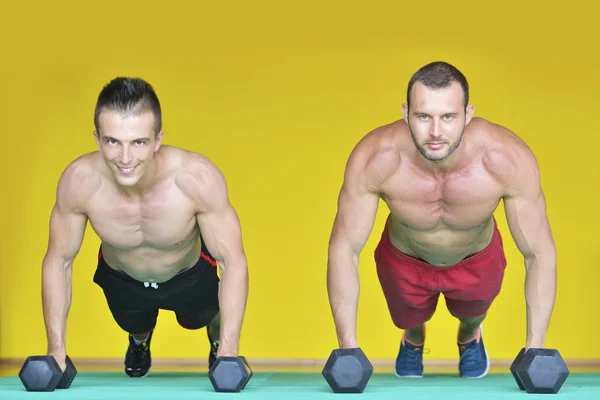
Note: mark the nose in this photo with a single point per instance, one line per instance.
(434, 130)
(125, 155)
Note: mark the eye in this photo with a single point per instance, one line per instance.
(139, 143)
(448, 117)
(423, 117)
(111, 141)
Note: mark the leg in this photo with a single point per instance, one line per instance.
(411, 299)
(416, 335)
(197, 319)
(213, 331)
(141, 337)
(209, 318)
(214, 327)
(469, 328)
(133, 311)
(473, 284)
(195, 296)
(138, 357)
(407, 285)
(195, 300)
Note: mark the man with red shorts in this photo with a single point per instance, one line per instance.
(442, 173)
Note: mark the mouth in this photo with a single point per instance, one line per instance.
(435, 145)
(126, 171)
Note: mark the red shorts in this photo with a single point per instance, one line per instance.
(412, 287)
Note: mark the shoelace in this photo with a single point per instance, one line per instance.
(413, 356)
(140, 353)
(469, 357)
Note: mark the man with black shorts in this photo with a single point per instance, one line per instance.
(166, 225)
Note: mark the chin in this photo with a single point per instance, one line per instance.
(436, 157)
(127, 180)
(433, 156)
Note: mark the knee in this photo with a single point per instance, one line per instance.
(471, 320)
(198, 320)
(135, 323)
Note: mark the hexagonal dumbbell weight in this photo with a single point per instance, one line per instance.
(42, 374)
(230, 374)
(539, 370)
(347, 370)
(247, 365)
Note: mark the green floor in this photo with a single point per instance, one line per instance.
(288, 385)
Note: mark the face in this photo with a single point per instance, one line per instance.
(127, 143)
(437, 119)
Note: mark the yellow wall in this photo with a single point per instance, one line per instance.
(277, 95)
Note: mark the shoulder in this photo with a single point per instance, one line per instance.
(506, 156)
(79, 181)
(196, 175)
(378, 154)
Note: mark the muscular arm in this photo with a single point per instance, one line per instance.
(525, 208)
(357, 208)
(67, 228)
(220, 228)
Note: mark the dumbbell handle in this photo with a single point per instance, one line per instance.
(67, 379)
(515, 365)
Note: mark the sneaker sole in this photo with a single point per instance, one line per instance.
(487, 367)
(147, 373)
(408, 376)
(143, 376)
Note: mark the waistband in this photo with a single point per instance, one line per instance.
(203, 256)
(481, 255)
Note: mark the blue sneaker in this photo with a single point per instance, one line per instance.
(474, 361)
(409, 363)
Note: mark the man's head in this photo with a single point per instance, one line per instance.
(128, 125)
(437, 109)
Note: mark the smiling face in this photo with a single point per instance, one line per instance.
(437, 118)
(127, 143)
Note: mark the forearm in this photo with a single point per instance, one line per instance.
(540, 294)
(233, 295)
(343, 288)
(56, 301)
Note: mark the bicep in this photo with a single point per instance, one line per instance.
(357, 209)
(527, 220)
(67, 229)
(217, 220)
(221, 233)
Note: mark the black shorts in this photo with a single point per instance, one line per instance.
(192, 295)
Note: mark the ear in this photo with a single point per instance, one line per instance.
(159, 139)
(469, 113)
(405, 111)
(97, 138)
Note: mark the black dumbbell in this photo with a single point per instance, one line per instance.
(230, 374)
(348, 370)
(42, 374)
(513, 368)
(539, 370)
(246, 362)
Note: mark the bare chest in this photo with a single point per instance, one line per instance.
(459, 201)
(162, 221)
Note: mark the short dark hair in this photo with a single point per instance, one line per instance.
(129, 96)
(439, 75)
